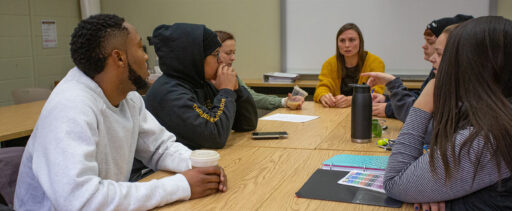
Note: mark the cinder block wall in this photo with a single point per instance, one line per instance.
(23, 61)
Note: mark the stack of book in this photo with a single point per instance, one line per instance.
(277, 77)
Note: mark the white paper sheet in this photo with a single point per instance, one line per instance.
(49, 31)
(290, 117)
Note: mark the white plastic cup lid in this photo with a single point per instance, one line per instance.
(204, 155)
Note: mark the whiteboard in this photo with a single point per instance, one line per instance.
(392, 29)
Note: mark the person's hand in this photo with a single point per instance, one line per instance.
(379, 109)
(377, 78)
(343, 101)
(236, 85)
(432, 206)
(294, 102)
(328, 100)
(205, 181)
(223, 185)
(378, 98)
(213, 81)
(226, 78)
(426, 99)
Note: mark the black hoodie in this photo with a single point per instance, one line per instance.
(183, 102)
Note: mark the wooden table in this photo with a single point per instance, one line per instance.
(306, 135)
(19, 120)
(313, 83)
(330, 131)
(261, 83)
(265, 174)
(340, 137)
(413, 84)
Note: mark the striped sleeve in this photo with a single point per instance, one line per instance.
(408, 175)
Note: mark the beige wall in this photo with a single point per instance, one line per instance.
(505, 8)
(255, 24)
(23, 61)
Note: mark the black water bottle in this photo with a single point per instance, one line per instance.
(361, 114)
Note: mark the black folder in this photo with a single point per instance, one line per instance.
(323, 185)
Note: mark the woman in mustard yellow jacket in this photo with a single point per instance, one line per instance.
(344, 68)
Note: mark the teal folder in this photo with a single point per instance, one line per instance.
(345, 162)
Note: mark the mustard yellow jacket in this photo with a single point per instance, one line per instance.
(330, 78)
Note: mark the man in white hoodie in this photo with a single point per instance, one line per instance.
(80, 154)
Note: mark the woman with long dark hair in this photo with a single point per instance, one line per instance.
(470, 158)
(344, 68)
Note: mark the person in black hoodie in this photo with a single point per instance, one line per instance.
(197, 99)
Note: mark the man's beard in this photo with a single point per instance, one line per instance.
(139, 82)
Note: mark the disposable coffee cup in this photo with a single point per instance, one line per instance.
(204, 158)
(297, 95)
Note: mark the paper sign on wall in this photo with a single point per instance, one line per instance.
(49, 28)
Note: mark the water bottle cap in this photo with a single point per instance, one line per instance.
(361, 88)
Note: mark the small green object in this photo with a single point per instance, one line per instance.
(382, 142)
(376, 128)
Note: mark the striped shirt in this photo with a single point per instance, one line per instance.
(408, 175)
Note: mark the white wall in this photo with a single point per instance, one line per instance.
(392, 29)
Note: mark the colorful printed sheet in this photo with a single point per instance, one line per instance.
(364, 180)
